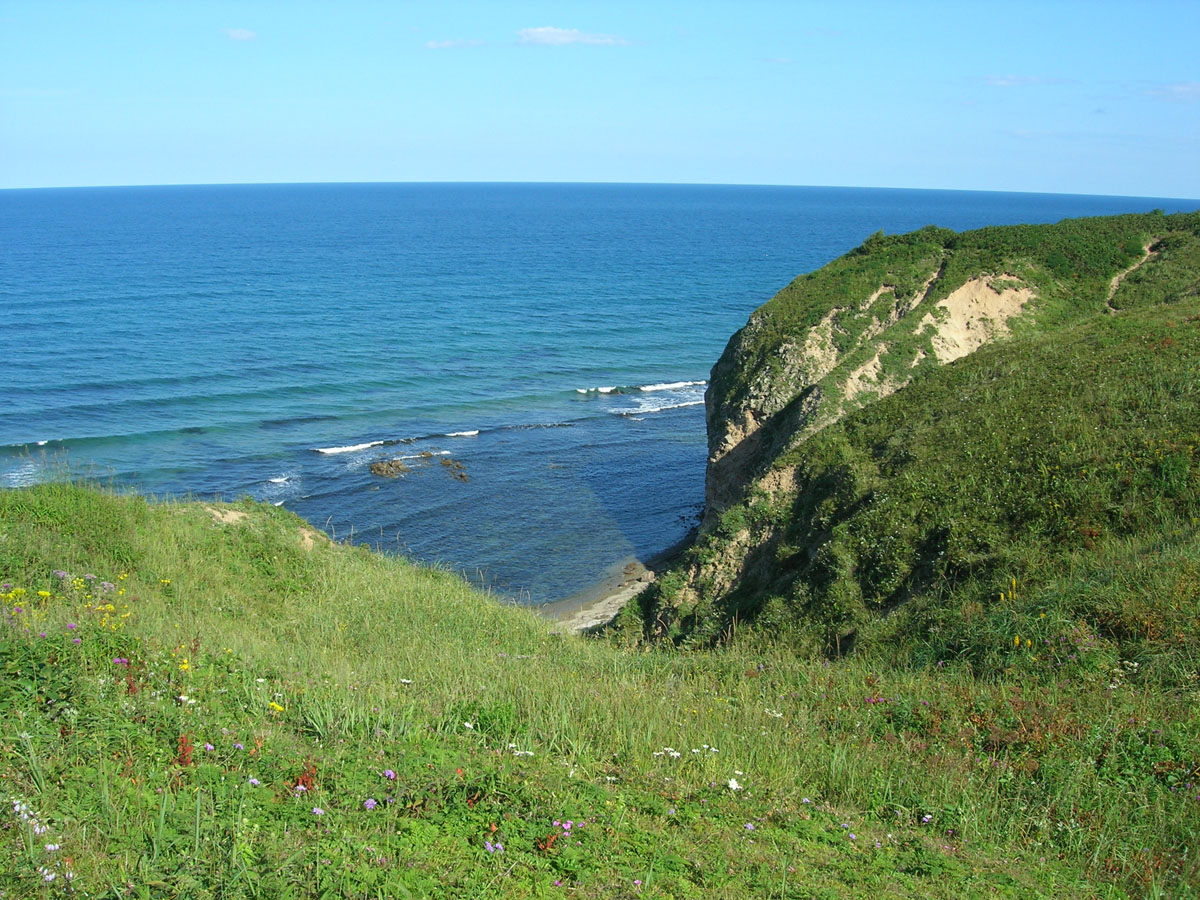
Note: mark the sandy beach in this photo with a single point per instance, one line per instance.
(596, 606)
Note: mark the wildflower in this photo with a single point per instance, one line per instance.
(238, 747)
(209, 747)
(389, 774)
(71, 626)
(733, 785)
(749, 826)
(50, 848)
(493, 848)
(275, 706)
(369, 803)
(317, 811)
(254, 782)
(853, 836)
(184, 665)
(926, 819)
(806, 800)
(77, 640)
(468, 726)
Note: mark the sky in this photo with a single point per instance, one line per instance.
(1091, 97)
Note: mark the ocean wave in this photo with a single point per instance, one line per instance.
(641, 388)
(671, 385)
(350, 448)
(646, 408)
(462, 433)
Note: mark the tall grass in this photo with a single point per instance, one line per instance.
(324, 668)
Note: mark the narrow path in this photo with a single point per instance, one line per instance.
(1120, 276)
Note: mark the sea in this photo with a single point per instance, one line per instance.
(535, 355)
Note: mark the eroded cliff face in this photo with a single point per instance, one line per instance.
(852, 356)
(786, 376)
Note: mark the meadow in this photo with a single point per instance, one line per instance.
(213, 701)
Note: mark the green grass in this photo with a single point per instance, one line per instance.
(326, 668)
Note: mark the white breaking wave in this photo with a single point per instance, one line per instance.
(598, 390)
(349, 449)
(671, 385)
(283, 479)
(463, 433)
(645, 408)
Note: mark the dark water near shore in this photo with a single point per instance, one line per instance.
(233, 340)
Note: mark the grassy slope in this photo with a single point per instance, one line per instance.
(326, 668)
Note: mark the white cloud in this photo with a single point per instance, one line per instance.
(1183, 92)
(448, 45)
(548, 36)
(1006, 81)
(240, 34)
(1013, 80)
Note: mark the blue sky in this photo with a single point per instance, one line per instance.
(1095, 97)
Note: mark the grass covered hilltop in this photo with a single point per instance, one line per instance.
(938, 636)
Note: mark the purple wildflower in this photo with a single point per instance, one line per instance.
(209, 747)
(254, 782)
(389, 774)
(317, 811)
(71, 626)
(369, 803)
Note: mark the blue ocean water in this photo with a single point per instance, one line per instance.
(274, 340)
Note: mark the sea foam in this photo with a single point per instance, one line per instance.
(351, 448)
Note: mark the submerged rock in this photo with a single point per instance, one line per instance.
(389, 468)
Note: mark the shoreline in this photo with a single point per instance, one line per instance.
(594, 607)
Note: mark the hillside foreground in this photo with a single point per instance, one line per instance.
(942, 644)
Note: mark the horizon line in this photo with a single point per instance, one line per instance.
(714, 184)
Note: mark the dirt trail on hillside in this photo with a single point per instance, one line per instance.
(1121, 276)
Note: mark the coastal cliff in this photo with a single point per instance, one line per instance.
(939, 419)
